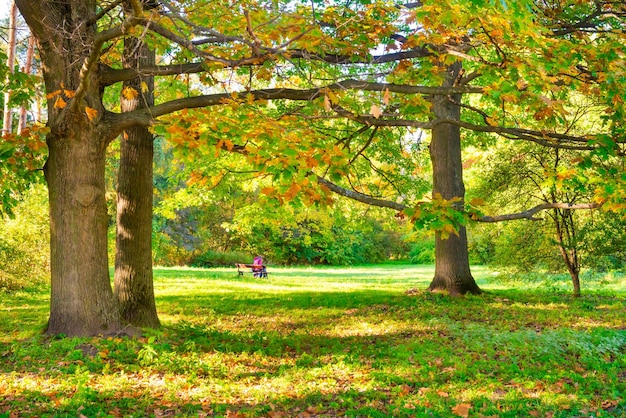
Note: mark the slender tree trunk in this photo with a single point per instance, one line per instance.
(133, 257)
(566, 238)
(452, 270)
(28, 66)
(8, 113)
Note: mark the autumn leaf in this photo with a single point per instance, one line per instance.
(327, 105)
(293, 191)
(91, 113)
(54, 93)
(69, 93)
(386, 97)
(144, 87)
(375, 111)
(462, 410)
(129, 93)
(59, 103)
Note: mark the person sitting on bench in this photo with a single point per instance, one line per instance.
(258, 267)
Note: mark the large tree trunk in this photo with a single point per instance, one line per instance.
(133, 257)
(82, 301)
(452, 271)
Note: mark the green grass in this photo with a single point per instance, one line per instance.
(330, 342)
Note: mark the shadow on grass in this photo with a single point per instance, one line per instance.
(263, 347)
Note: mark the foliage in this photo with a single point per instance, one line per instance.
(24, 243)
(333, 342)
(516, 176)
(423, 249)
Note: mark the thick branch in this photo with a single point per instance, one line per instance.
(145, 117)
(109, 76)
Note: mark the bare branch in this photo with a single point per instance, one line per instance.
(529, 214)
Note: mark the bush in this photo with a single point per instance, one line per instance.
(423, 251)
(25, 243)
(220, 259)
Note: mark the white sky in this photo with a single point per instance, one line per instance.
(4, 8)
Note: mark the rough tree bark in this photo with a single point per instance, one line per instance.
(133, 256)
(452, 270)
(82, 301)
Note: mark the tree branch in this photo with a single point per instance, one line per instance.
(143, 117)
(529, 214)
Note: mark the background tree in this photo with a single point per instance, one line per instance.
(523, 175)
(133, 281)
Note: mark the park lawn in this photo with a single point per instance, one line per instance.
(361, 341)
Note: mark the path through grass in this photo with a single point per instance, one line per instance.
(327, 342)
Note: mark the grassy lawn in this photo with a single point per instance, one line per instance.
(329, 342)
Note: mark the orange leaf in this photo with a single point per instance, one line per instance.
(69, 93)
(54, 93)
(129, 93)
(293, 191)
(91, 113)
(386, 97)
(462, 410)
(60, 103)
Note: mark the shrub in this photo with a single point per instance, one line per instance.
(423, 251)
(212, 258)
(25, 243)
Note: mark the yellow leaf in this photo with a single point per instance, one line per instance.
(375, 110)
(144, 87)
(462, 410)
(60, 103)
(129, 93)
(477, 202)
(91, 113)
(331, 95)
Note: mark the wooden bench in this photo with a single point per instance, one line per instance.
(257, 270)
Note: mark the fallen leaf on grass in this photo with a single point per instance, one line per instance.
(462, 410)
